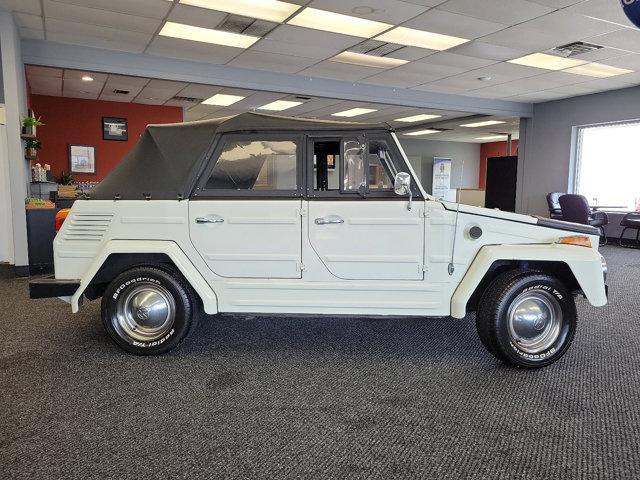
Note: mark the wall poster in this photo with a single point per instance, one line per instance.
(441, 177)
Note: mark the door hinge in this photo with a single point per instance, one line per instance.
(425, 213)
(302, 212)
(301, 266)
(424, 268)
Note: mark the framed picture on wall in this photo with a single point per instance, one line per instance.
(115, 129)
(82, 159)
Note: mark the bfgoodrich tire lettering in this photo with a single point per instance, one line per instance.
(148, 310)
(527, 319)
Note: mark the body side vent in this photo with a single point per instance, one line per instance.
(87, 227)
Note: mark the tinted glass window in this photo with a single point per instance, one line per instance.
(255, 165)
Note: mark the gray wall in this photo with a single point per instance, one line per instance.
(546, 166)
(465, 160)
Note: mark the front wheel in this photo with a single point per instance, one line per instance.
(148, 310)
(527, 319)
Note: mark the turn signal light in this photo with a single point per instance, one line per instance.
(576, 240)
(60, 218)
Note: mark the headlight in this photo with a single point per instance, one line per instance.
(605, 269)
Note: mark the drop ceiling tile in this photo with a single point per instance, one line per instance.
(142, 8)
(143, 100)
(116, 98)
(604, 53)
(573, 90)
(399, 79)
(446, 85)
(312, 104)
(308, 37)
(607, 10)
(81, 94)
(187, 50)
(28, 21)
(557, 3)
(629, 61)
(498, 91)
(257, 99)
(169, 85)
(426, 3)
(508, 12)
(455, 60)
(506, 70)
(488, 51)
(153, 96)
(127, 82)
(543, 82)
(196, 90)
(558, 79)
(95, 36)
(29, 33)
(447, 23)
(319, 52)
(339, 71)
(43, 71)
(74, 85)
(199, 17)
(603, 84)
(190, 116)
(100, 17)
(563, 23)
(272, 61)
(387, 11)
(537, 97)
(24, 6)
(625, 39)
(411, 53)
(78, 74)
(45, 85)
(527, 39)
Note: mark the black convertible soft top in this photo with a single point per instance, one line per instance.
(167, 158)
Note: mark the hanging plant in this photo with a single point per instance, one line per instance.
(29, 125)
(32, 147)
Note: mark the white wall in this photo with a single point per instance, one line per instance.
(548, 149)
(465, 160)
(6, 240)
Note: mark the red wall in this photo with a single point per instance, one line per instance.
(494, 149)
(78, 121)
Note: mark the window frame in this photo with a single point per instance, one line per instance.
(298, 138)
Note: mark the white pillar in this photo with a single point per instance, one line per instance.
(15, 110)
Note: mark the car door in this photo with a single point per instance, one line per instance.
(245, 214)
(359, 228)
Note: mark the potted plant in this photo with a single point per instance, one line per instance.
(29, 125)
(32, 147)
(66, 187)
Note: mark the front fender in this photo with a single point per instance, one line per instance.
(585, 264)
(171, 249)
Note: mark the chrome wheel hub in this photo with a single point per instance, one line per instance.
(534, 321)
(145, 313)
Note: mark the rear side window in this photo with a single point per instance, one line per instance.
(256, 165)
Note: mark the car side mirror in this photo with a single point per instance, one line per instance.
(402, 186)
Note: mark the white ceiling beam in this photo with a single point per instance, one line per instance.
(52, 54)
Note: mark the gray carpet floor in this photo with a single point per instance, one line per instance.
(287, 397)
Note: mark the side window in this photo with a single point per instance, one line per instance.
(255, 165)
(382, 169)
(354, 174)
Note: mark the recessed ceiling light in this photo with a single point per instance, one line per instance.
(548, 62)
(492, 137)
(420, 38)
(417, 118)
(354, 112)
(338, 23)
(368, 60)
(482, 124)
(222, 99)
(428, 131)
(272, 10)
(87, 78)
(598, 70)
(485, 79)
(279, 105)
(207, 35)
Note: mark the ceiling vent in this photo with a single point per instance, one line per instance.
(300, 97)
(246, 25)
(178, 98)
(117, 91)
(376, 47)
(575, 48)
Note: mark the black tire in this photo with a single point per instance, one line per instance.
(139, 333)
(499, 325)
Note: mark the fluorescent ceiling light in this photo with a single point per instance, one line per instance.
(87, 78)
(368, 60)
(598, 70)
(492, 137)
(420, 38)
(417, 118)
(279, 105)
(428, 131)
(482, 124)
(338, 23)
(207, 35)
(548, 62)
(222, 100)
(272, 10)
(354, 112)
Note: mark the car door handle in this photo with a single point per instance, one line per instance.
(209, 220)
(331, 219)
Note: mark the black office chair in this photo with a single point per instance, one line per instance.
(553, 201)
(575, 208)
(630, 221)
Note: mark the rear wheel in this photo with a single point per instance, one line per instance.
(527, 319)
(148, 310)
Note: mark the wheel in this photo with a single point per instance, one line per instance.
(148, 310)
(527, 319)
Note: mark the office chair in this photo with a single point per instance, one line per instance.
(553, 201)
(575, 208)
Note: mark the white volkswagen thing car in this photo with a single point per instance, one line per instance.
(268, 214)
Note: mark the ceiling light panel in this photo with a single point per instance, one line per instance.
(547, 62)
(428, 131)
(207, 35)
(338, 23)
(272, 10)
(486, 123)
(223, 100)
(492, 137)
(368, 60)
(279, 105)
(598, 70)
(354, 112)
(419, 38)
(417, 118)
